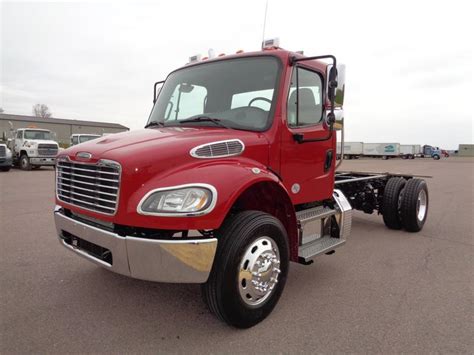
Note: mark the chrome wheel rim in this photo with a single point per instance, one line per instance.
(421, 205)
(259, 271)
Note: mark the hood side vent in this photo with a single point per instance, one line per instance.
(219, 149)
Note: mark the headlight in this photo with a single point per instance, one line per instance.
(194, 199)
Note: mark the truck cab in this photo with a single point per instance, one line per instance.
(5, 157)
(82, 138)
(233, 177)
(33, 148)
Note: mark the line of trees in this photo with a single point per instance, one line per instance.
(42, 111)
(39, 110)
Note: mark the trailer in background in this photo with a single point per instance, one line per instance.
(352, 150)
(410, 151)
(381, 150)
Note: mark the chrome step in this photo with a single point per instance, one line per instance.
(322, 245)
(314, 213)
(312, 223)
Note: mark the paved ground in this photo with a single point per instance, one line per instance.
(384, 292)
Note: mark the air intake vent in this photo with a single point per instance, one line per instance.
(218, 149)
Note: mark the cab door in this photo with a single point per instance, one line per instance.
(308, 145)
(18, 141)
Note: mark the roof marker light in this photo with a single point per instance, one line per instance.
(195, 58)
(221, 55)
(271, 43)
(240, 51)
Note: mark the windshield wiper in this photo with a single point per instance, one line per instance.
(154, 123)
(216, 121)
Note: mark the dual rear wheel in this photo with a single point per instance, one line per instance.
(405, 204)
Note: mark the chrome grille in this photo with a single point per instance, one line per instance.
(47, 150)
(93, 187)
(218, 149)
(3, 151)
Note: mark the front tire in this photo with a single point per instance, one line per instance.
(250, 269)
(25, 162)
(436, 157)
(414, 205)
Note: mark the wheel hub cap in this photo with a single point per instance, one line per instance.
(259, 270)
(421, 205)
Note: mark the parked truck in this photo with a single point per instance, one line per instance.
(5, 157)
(79, 138)
(352, 150)
(233, 177)
(431, 152)
(33, 148)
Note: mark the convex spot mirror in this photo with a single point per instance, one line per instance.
(186, 88)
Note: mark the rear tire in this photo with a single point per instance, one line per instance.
(248, 242)
(25, 162)
(414, 205)
(5, 168)
(391, 202)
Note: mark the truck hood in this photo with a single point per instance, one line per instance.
(41, 141)
(168, 147)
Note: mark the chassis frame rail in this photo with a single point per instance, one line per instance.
(365, 190)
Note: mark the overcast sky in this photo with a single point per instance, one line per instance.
(408, 63)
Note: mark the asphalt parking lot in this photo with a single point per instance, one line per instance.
(384, 292)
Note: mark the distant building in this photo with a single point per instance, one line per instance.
(466, 150)
(63, 128)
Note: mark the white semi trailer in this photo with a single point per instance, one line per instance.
(381, 150)
(410, 151)
(352, 150)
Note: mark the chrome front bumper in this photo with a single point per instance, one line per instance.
(177, 261)
(42, 161)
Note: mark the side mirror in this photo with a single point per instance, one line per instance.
(336, 83)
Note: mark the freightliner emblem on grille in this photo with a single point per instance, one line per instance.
(84, 155)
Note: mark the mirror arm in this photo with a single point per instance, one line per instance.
(154, 89)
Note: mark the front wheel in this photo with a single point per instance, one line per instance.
(436, 157)
(25, 162)
(250, 269)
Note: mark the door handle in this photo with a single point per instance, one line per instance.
(328, 161)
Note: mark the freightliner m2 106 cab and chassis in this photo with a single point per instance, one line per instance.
(233, 177)
(33, 148)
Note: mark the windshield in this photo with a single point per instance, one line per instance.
(237, 93)
(83, 139)
(40, 135)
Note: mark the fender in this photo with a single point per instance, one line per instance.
(235, 180)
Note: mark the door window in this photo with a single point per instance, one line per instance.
(305, 98)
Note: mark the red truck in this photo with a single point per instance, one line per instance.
(233, 177)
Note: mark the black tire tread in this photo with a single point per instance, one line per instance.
(390, 213)
(238, 224)
(408, 205)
